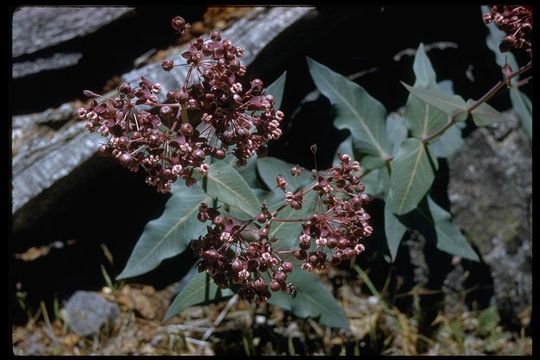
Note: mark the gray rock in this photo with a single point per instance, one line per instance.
(86, 312)
(452, 288)
(490, 189)
(31, 345)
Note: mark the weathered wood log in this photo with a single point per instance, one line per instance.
(57, 61)
(37, 28)
(46, 159)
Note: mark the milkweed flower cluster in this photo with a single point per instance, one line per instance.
(172, 134)
(212, 114)
(516, 21)
(244, 255)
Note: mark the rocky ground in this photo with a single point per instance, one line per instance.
(377, 326)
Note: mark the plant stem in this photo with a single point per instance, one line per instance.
(494, 90)
(288, 220)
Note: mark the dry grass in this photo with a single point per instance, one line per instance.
(237, 327)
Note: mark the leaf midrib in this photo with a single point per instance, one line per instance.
(382, 153)
(426, 120)
(411, 179)
(173, 228)
(247, 201)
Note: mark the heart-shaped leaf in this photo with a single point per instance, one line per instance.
(169, 234)
(313, 300)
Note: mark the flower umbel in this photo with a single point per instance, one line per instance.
(517, 22)
(212, 114)
(244, 254)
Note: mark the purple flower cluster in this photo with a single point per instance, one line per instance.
(339, 224)
(237, 255)
(211, 115)
(241, 254)
(517, 22)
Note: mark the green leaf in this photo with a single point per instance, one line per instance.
(448, 104)
(249, 172)
(412, 176)
(170, 234)
(436, 224)
(357, 111)
(270, 167)
(523, 107)
(200, 289)
(276, 89)
(370, 162)
(446, 86)
(423, 118)
(313, 300)
(484, 114)
(449, 238)
(383, 182)
(371, 182)
(396, 130)
(423, 70)
(448, 143)
(394, 231)
(226, 184)
(451, 140)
